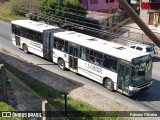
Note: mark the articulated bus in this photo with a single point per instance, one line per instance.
(117, 67)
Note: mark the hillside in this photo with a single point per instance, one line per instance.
(7, 8)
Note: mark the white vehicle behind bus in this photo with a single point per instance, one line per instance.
(144, 48)
(116, 67)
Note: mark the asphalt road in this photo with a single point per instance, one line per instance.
(149, 99)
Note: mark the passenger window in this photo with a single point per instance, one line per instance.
(13, 28)
(25, 32)
(91, 56)
(39, 35)
(110, 63)
(55, 43)
(82, 53)
(66, 46)
(59, 44)
(30, 34)
(17, 30)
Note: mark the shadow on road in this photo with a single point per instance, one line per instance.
(153, 94)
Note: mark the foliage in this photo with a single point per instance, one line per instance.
(6, 107)
(3, 1)
(138, 2)
(6, 13)
(63, 11)
(21, 7)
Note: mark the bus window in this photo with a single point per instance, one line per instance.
(17, 30)
(82, 53)
(13, 28)
(110, 63)
(25, 32)
(31, 34)
(55, 43)
(22, 31)
(91, 57)
(39, 37)
(59, 44)
(87, 54)
(66, 46)
(98, 57)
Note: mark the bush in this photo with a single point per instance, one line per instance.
(19, 10)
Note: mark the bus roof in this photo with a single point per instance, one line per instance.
(101, 45)
(110, 48)
(37, 26)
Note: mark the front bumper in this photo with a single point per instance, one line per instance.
(133, 90)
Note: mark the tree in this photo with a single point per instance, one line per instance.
(63, 11)
(138, 2)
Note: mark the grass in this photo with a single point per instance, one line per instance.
(6, 13)
(7, 108)
(55, 98)
(6, 9)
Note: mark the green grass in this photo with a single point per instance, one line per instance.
(7, 108)
(6, 13)
(6, 9)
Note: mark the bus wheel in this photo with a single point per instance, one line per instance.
(25, 48)
(108, 83)
(61, 64)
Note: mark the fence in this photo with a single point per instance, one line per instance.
(24, 98)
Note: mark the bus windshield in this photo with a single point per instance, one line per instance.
(141, 72)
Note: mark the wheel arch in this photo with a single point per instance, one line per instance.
(105, 79)
(59, 59)
(23, 45)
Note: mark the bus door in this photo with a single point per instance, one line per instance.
(123, 76)
(18, 43)
(17, 38)
(48, 45)
(73, 60)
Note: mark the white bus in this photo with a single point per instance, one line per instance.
(115, 66)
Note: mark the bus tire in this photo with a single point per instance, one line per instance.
(61, 64)
(25, 48)
(108, 84)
